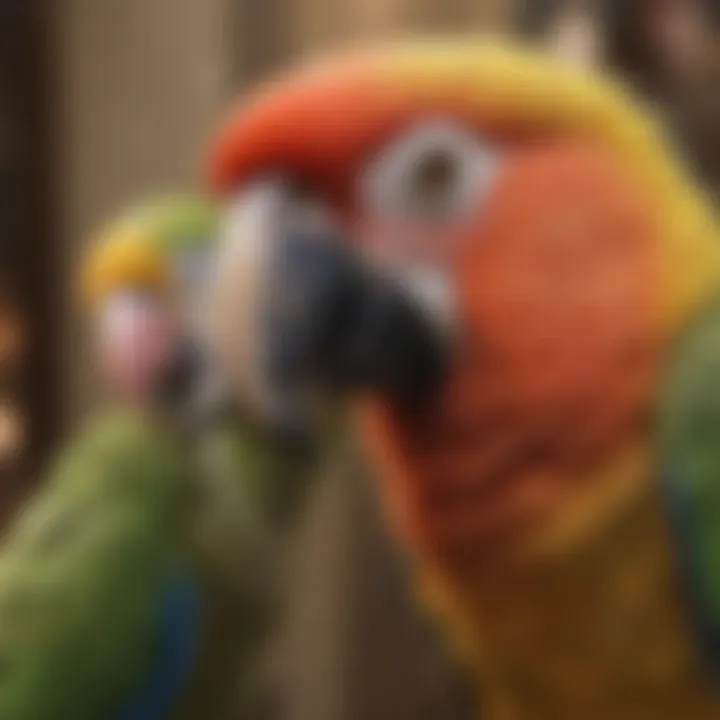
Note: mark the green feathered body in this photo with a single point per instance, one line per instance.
(252, 494)
(82, 572)
(246, 493)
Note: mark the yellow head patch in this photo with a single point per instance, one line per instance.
(123, 259)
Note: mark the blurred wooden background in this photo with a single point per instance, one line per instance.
(29, 328)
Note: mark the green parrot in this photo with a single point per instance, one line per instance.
(99, 612)
(108, 608)
(145, 280)
(144, 578)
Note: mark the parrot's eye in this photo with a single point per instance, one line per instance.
(433, 178)
(437, 171)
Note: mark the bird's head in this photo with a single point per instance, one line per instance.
(143, 281)
(489, 247)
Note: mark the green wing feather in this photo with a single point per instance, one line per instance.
(82, 571)
(690, 463)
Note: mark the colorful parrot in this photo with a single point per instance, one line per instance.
(144, 280)
(499, 262)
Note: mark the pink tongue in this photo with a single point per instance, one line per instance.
(137, 344)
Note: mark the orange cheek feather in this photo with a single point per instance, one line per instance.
(559, 293)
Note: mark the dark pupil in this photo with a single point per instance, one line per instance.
(433, 178)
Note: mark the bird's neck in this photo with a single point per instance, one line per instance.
(599, 634)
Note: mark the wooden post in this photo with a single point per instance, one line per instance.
(28, 349)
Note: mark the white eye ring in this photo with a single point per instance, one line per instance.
(393, 184)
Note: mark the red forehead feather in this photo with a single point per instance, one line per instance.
(318, 126)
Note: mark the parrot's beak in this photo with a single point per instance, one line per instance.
(181, 374)
(309, 314)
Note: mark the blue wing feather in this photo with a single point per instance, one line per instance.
(178, 632)
(689, 553)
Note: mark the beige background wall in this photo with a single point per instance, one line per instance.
(141, 84)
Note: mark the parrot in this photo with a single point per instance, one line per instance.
(143, 282)
(107, 608)
(500, 267)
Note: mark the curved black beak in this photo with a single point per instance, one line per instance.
(335, 322)
(300, 319)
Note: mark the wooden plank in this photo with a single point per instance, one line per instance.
(29, 381)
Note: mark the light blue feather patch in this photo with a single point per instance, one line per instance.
(178, 633)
